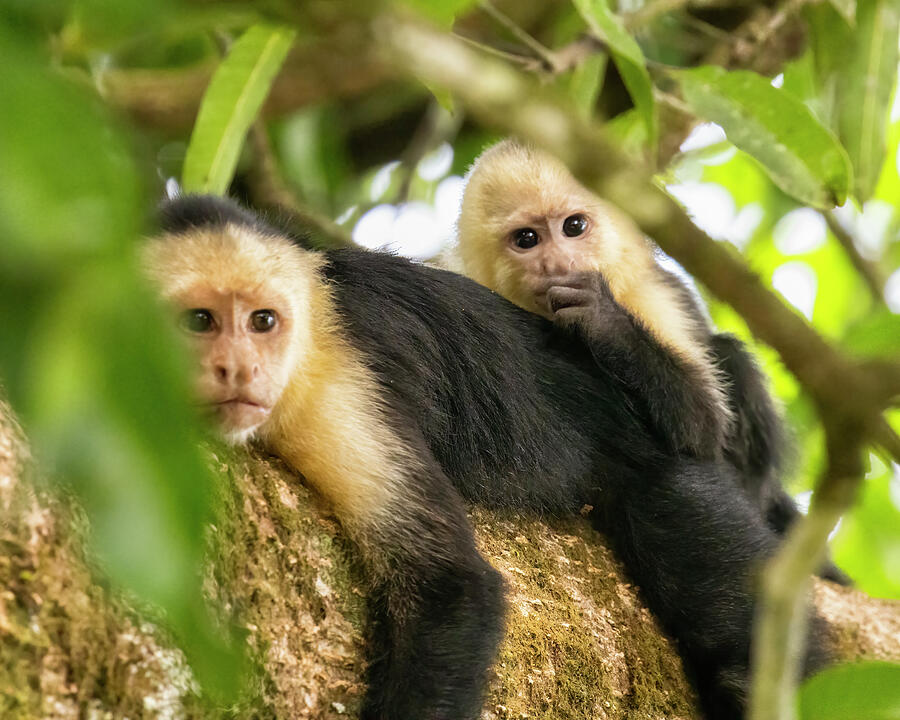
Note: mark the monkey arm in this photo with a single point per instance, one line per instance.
(675, 394)
(437, 607)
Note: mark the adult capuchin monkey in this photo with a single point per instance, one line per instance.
(399, 391)
(531, 232)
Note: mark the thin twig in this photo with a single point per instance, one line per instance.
(652, 10)
(783, 611)
(706, 28)
(526, 61)
(868, 270)
(545, 54)
(672, 101)
(270, 190)
(437, 127)
(781, 15)
(568, 57)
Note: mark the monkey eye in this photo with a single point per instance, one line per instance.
(575, 225)
(525, 238)
(197, 320)
(262, 321)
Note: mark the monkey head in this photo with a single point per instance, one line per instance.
(527, 225)
(242, 301)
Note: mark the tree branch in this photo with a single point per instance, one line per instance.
(503, 98)
(268, 189)
(782, 614)
(317, 71)
(544, 54)
(650, 11)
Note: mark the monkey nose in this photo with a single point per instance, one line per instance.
(235, 373)
(222, 372)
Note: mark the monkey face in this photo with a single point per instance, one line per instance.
(544, 251)
(242, 302)
(242, 340)
(527, 225)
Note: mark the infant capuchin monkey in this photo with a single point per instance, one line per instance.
(531, 232)
(399, 392)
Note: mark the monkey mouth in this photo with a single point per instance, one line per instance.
(238, 414)
(236, 401)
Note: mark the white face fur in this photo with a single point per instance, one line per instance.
(526, 224)
(241, 299)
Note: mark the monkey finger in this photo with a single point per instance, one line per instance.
(560, 297)
(572, 316)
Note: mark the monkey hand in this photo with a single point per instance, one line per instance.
(583, 301)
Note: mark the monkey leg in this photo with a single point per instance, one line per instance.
(437, 607)
(695, 548)
(755, 445)
(756, 442)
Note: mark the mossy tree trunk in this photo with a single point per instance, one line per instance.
(580, 644)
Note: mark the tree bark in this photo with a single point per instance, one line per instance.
(580, 644)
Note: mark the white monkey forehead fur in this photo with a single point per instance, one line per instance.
(228, 258)
(510, 176)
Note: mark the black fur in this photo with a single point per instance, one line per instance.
(188, 212)
(673, 394)
(500, 407)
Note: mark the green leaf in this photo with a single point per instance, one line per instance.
(230, 104)
(109, 405)
(629, 133)
(800, 81)
(83, 352)
(800, 155)
(628, 58)
(585, 82)
(866, 86)
(857, 70)
(84, 203)
(857, 691)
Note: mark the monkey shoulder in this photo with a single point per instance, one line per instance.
(492, 369)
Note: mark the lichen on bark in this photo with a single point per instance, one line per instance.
(579, 644)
